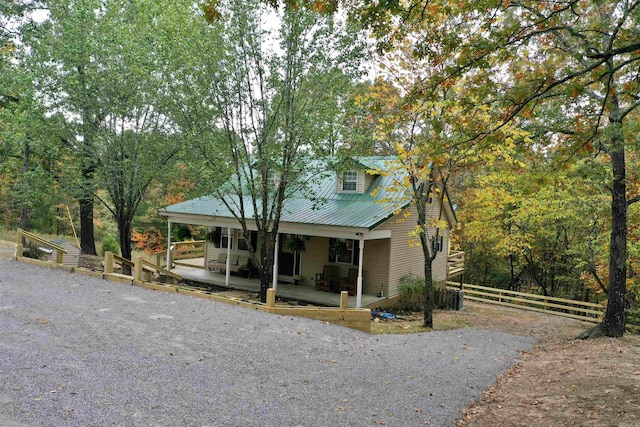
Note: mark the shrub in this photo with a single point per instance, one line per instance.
(411, 293)
(109, 243)
(34, 251)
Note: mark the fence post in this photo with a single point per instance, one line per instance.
(271, 297)
(137, 268)
(19, 251)
(59, 257)
(108, 262)
(344, 300)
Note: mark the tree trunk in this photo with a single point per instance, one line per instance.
(429, 294)
(124, 237)
(87, 236)
(24, 212)
(613, 322)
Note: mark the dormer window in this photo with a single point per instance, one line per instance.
(273, 179)
(349, 181)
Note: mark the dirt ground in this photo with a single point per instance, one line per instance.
(560, 382)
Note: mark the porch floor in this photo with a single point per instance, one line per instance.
(192, 270)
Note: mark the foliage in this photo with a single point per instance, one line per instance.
(110, 243)
(274, 109)
(532, 229)
(411, 290)
(555, 70)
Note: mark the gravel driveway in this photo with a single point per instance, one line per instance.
(80, 351)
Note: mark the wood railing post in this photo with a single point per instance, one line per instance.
(137, 268)
(19, 251)
(108, 262)
(271, 297)
(344, 300)
(59, 257)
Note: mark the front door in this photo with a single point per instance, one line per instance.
(288, 262)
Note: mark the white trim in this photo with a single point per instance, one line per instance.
(274, 284)
(314, 230)
(227, 276)
(359, 282)
(169, 246)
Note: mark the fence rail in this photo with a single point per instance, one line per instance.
(60, 251)
(580, 310)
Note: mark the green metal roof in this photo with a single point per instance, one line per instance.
(324, 206)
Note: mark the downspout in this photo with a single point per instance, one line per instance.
(360, 262)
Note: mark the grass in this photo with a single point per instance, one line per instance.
(442, 321)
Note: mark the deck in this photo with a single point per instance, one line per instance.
(192, 270)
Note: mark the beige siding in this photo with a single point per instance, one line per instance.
(368, 179)
(314, 258)
(406, 260)
(376, 266)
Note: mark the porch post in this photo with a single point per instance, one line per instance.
(360, 262)
(227, 276)
(274, 285)
(168, 246)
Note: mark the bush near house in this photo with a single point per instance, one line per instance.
(412, 295)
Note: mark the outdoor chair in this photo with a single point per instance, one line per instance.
(327, 280)
(349, 283)
(219, 263)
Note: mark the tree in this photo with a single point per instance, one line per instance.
(102, 70)
(25, 152)
(567, 69)
(526, 227)
(276, 92)
(434, 128)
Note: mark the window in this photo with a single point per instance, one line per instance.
(344, 251)
(349, 181)
(272, 179)
(242, 243)
(437, 244)
(225, 238)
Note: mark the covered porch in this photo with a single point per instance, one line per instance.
(193, 270)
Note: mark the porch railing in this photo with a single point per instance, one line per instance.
(183, 250)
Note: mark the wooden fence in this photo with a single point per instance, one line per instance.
(580, 310)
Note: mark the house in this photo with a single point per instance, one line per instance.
(358, 241)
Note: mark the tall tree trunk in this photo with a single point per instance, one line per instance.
(124, 237)
(24, 212)
(613, 322)
(87, 233)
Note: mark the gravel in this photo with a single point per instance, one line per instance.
(81, 351)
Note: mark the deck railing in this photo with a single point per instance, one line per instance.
(455, 263)
(138, 266)
(183, 250)
(580, 310)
